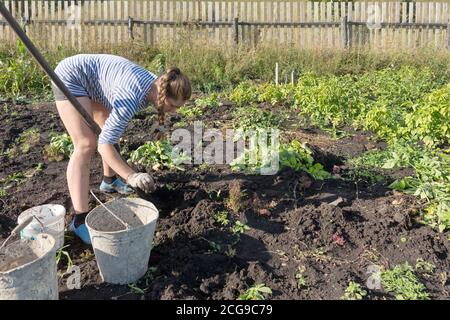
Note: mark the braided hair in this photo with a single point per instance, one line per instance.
(173, 84)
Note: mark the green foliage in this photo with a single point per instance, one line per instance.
(329, 102)
(21, 75)
(293, 155)
(60, 253)
(354, 291)
(423, 266)
(257, 292)
(430, 120)
(158, 64)
(209, 101)
(190, 112)
(26, 140)
(157, 155)
(60, 147)
(402, 281)
(431, 181)
(239, 227)
(222, 218)
(300, 277)
(252, 117)
(245, 94)
(297, 156)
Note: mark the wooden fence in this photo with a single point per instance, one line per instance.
(377, 24)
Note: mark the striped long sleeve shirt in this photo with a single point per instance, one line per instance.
(115, 82)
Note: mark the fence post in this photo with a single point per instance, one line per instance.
(448, 36)
(344, 32)
(350, 34)
(130, 27)
(152, 34)
(144, 32)
(236, 31)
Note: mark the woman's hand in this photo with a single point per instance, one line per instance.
(140, 180)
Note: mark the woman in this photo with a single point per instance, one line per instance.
(111, 89)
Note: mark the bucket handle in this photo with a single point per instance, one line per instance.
(112, 213)
(17, 230)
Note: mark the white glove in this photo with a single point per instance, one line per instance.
(143, 181)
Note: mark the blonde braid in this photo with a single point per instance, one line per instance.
(182, 88)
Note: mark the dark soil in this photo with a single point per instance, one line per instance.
(292, 218)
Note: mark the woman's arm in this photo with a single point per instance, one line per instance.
(112, 157)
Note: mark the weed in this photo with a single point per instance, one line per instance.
(150, 275)
(215, 247)
(402, 281)
(210, 101)
(239, 227)
(354, 292)
(86, 255)
(26, 140)
(257, 292)
(190, 112)
(135, 289)
(222, 218)
(60, 147)
(236, 199)
(423, 266)
(300, 277)
(60, 253)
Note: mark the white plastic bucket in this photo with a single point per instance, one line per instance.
(28, 270)
(52, 218)
(122, 254)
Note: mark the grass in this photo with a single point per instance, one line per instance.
(214, 67)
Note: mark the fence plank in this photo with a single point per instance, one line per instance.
(110, 32)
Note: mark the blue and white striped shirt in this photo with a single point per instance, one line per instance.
(117, 83)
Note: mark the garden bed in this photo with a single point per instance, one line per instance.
(305, 239)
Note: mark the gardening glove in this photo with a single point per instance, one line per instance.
(143, 181)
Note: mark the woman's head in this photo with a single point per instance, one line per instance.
(173, 89)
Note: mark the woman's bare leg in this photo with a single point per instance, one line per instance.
(101, 113)
(85, 145)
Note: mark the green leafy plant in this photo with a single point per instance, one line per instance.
(300, 277)
(246, 93)
(209, 101)
(26, 140)
(135, 289)
(239, 227)
(157, 155)
(158, 64)
(190, 112)
(60, 147)
(354, 291)
(423, 266)
(293, 155)
(429, 121)
(222, 218)
(402, 281)
(252, 117)
(21, 75)
(257, 292)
